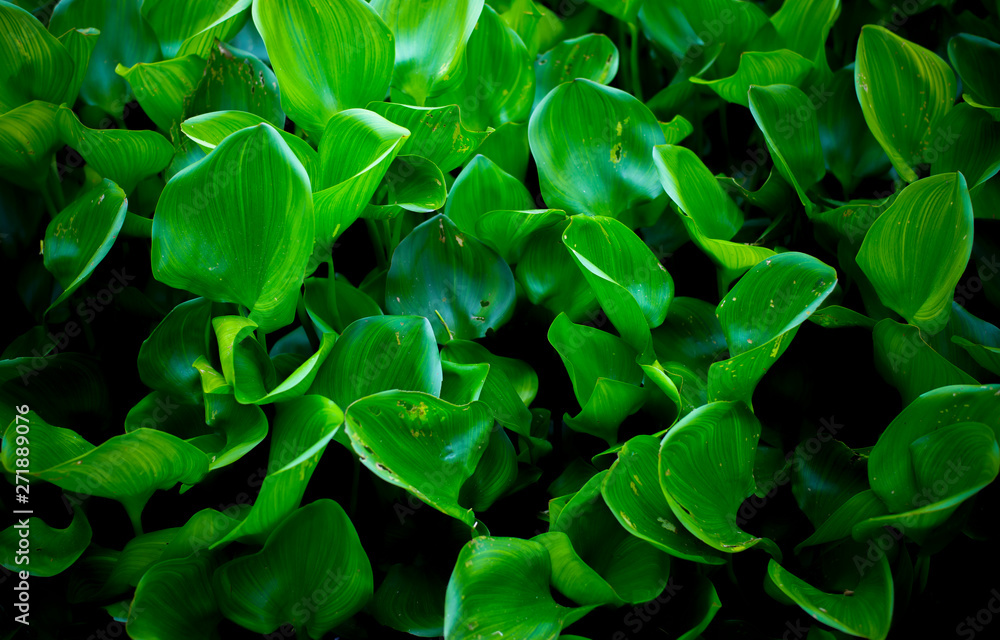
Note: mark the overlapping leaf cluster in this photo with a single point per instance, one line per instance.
(511, 177)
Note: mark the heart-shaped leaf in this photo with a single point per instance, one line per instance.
(163, 89)
(592, 56)
(759, 68)
(482, 187)
(974, 58)
(37, 66)
(191, 27)
(972, 146)
(508, 232)
(29, 138)
(52, 550)
(909, 363)
(166, 356)
(175, 597)
(436, 133)
(411, 600)
(260, 199)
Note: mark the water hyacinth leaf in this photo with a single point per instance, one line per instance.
(52, 550)
(905, 360)
(80, 44)
(314, 550)
(804, 25)
(824, 480)
(861, 506)
(840, 119)
(334, 303)
(502, 585)
(593, 147)
(427, 67)
(357, 149)
(79, 237)
(209, 129)
(436, 133)
(792, 139)
(677, 129)
(462, 286)
(238, 429)
(891, 470)
(126, 39)
(834, 317)
(632, 492)
(508, 232)
(37, 66)
(550, 277)
(175, 597)
(498, 391)
(605, 376)
(761, 68)
(411, 600)
(421, 443)
(973, 147)
(916, 251)
(350, 70)
(865, 611)
(191, 28)
(706, 498)
(592, 56)
(974, 58)
(303, 428)
(761, 315)
(495, 57)
(696, 192)
(635, 570)
(122, 156)
(462, 383)
(127, 468)
(508, 147)
(412, 183)
(162, 88)
(29, 138)
(482, 187)
(573, 577)
(625, 10)
(518, 373)
(495, 473)
(167, 355)
(382, 353)
(988, 356)
(236, 80)
(634, 289)
(904, 91)
(265, 203)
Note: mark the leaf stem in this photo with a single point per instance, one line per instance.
(634, 61)
(377, 243)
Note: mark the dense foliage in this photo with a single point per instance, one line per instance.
(518, 318)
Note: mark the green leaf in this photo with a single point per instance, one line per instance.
(175, 599)
(905, 91)
(792, 139)
(972, 146)
(436, 133)
(834, 317)
(905, 360)
(421, 443)
(988, 356)
(824, 480)
(334, 303)
(858, 508)
(126, 39)
(551, 278)
(761, 315)
(29, 138)
(804, 25)
(82, 234)
(36, 65)
(495, 473)
(697, 193)
(411, 600)
(508, 232)
(915, 253)
(191, 27)
(127, 468)
(80, 44)
(163, 88)
(502, 585)
(759, 68)
(625, 10)
(462, 383)
(124, 157)
(244, 238)
(634, 289)
(350, 70)
(482, 187)
(974, 58)
(314, 550)
(592, 144)
(498, 391)
(864, 611)
(849, 148)
(380, 353)
(704, 497)
(632, 492)
(592, 56)
(604, 374)
(357, 149)
(411, 183)
(426, 67)
(167, 355)
(495, 58)
(52, 550)
(508, 148)
(303, 428)
(462, 286)
(237, 80)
